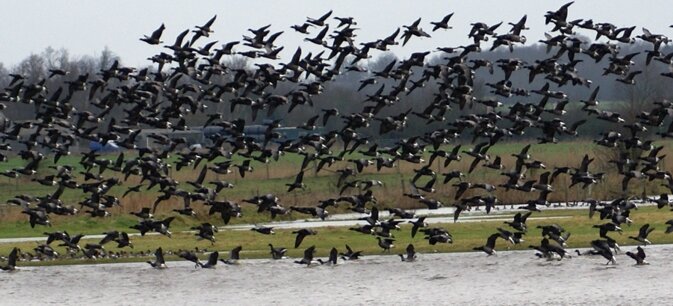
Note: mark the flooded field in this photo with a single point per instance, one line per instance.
(509, 278)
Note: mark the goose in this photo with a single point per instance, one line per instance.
(410, 255)
(162, 226)
(519, 222)
(400, 213)
(551, 248)
(131, 189)
(37, 216)
(607, 227)
(512, 237)
(489, 247)
(212, 260)
(124, 241)
(313, 211)
(479, 154)
(263, 230)
(109, 236)
(303, 28)
(442, 24)
(51, 237)
(297, 182)
(277, 253)
(308, 257)
(630, 78)
(451, 175)
(603, 248)
(234, 256)
(46, 250)
(386, 243)
(669, 229)
(332, 260)
(350, 254)
(301, 234)
(155, 38)
(191, 256)
(319, 21)
(203, 30)
(11, 261)
(417, 224)
(206, 231)
(639, 256)
(644, 231)
(72, 243)
(159, 262)
(413, 30)
(592, 101)
(144, 213)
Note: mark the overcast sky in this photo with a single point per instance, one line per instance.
(85, 27)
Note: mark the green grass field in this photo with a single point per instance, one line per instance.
(466, 236)
(272, 177)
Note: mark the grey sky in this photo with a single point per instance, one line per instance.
(86, 27)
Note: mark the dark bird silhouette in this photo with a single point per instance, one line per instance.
(155, 38)
(277, 253)
(639, 256)
(410, 254)
(350, 254)
(263, 230)
(489, 247)
(386, 243)
(519, 222)
(643, 232)
(234, 256)
(416, 225)
(191, 256)
(332, 260)
(603, 248)
(442, 24)
(212, 261)
(11, 261)
(301, 234)
(308, 256)
(159, 262)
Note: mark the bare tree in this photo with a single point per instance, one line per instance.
(639, 97)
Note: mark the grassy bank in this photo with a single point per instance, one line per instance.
(466, 236)
(272, 177)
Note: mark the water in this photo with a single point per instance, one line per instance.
(509, 278)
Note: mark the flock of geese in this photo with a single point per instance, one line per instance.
(191, 75)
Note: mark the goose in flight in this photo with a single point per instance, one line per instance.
(301, 234)
(639, 256)
(386, 243)
(603, 248)
(308, 256)
(410, 255)
(332, 260)
(277, 253)
(11, 261)
(442, 24)
(489, 247)
(350, 254)
(234, 256)
(159, 262)
(644, 231)
(212, 260)
(155, 38)
(191, 256)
